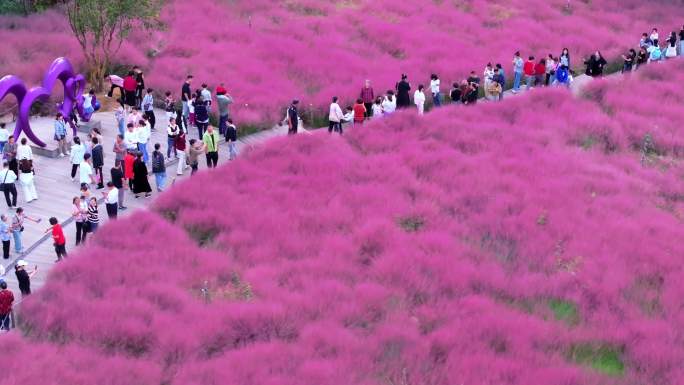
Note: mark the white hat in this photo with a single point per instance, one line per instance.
(22, 263)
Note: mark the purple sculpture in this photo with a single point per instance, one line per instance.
(61, 70)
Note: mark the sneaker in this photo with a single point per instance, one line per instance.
(61, 155)
(72, 179)
(68, 153)
(148, 195)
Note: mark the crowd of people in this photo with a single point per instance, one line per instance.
(136, 120)
(549, 70)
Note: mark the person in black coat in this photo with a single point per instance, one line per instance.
(595, 65)
(140, 182)
(403, 88)
(98, 161)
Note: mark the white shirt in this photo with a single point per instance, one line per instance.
(134, 118)
(335, 113)
(4, 135)
(144, 133)
(419, 98)
(434, 86)
(172, 130)
(389, 106)
(24, 152)
(112, 196)
(488, 74)
(77, 152)
(87, 101)
(131, 139)
(86, 171)
(377, 110)
(10, 178)
(206, 95)
(654, 36)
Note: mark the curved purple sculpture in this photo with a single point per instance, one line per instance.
(73, 84)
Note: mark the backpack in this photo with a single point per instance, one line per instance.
(656, 54)
(562, 75)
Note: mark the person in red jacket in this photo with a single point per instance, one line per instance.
(58, 238)
(130, 85)
(528, 70)
(6, 300)
(359, 111)
(129, 160)
(540, 72)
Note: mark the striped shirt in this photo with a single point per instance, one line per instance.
(93, 215)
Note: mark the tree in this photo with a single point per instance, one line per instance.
(100, 26)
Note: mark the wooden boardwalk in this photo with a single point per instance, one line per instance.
(56, 191)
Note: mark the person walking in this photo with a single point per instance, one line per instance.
(148, 108)
(119, 116)
(58, 238)
(86, 175)
(377, 108)
(158, 167)
(130, 85)
(140, 183)
(224, 101)
(528, 69)
(389, 103)
(419, 99)
(129, 163)
(629, 59)
(60, 135)
(119, 148)
(367, 96)
(231, 139)
(93, 215)
(211, 143)
(139, 85)
(518, 64)
(359, 112)
(98, 162)
(671, 50)
(500, 78)
(4, 136)
(434, 89)
(77, 154)
(8, 177)
(26, 180)
(9, 153)
(111, 198)
(24, 277)
(6, 301)
(17, 228)
(179, 149)
(5, 236)
(79, 211)
(540, 72)
(172, 131)
(169, 106)
(293, 118)
(144, 132)
(335, 116)
(194, 150)
(205, 93)
(186, 96)
(595, 65)
(403, 88)
(117, 178)
(201, 116)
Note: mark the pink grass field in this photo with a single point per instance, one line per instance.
(524, 242)
(270, 51)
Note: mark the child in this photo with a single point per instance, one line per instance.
(231, 138)
(359, 112)
(377, 108)
(120, 120)
(4, 136)
(88, 100)
(419, 99)
(58, 238)
(348, 117)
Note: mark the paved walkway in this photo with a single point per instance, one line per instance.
(56, 191)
